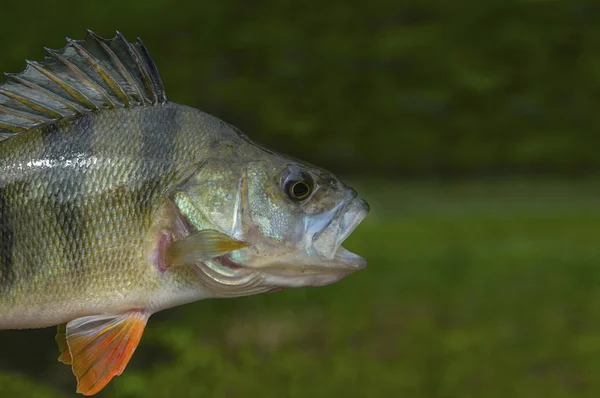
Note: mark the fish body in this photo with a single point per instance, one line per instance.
(79, 201)
(116, 203)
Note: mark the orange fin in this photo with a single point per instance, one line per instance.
(101, 346)
(61, 341)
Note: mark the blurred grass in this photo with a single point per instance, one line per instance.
(416, 88)
(474, 289)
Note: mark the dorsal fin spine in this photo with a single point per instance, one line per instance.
(23, 115)
(118, 64)
(112, 83)
(68, 104)
(31, 103)
(85, 76)
(156, 78)
(142, 68)
(72, 91)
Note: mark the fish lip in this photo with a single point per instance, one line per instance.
(350, 260)
(344, 258)
(328, 242)
(354, 219)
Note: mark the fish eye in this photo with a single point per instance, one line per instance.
(299, 190)
(298, 186)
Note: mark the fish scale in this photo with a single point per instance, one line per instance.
(107, 202)
(116, 203)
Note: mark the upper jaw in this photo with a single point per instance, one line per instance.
(329, 241)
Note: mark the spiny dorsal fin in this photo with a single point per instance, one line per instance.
(85, 76)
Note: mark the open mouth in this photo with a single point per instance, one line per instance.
(329, 262)
(329, 241)
(331, 256)
(356, 213)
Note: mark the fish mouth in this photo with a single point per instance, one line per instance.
(328, 242)
(357, 213)
(327, 262)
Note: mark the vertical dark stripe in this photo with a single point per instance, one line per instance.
(49, 141)
(159, 128)
(7, 271)
(82, 129)
(70, 218)
(69, 141)
(68, 138)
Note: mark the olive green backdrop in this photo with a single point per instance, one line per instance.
(375, 87)
(472, 128)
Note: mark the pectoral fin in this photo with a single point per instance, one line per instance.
(99, 347)
(201, 246)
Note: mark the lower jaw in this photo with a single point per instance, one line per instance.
(303, 280)
(283, 276)
(267, 280)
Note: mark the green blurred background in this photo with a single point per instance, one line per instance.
(472, 129)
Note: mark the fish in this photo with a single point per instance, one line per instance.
(116, 203)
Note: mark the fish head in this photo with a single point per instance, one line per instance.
(293, 217)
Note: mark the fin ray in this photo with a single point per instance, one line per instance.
(103, 72)
(147, 81)
(22, 115)
(201, 246)
(84, 76)
(31, 103)
(75, 93)
(101, 346)
(41, 90)
(120, 68)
